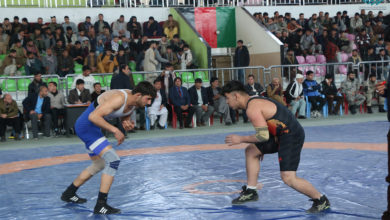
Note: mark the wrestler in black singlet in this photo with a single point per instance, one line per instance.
(286, 137)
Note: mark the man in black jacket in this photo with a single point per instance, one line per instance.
(200, 102)
(34, 86)
(100, 25)
(329, 89)
(241, 59)
(79, 95)
(218, 101)
(253, 88)
(37, 107)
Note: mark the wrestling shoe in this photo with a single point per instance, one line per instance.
(73, 198)
(319, 205)
(104, 209)
(246, 195)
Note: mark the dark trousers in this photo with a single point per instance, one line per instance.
(46, 124)
(179, 113)
(14, 122)
(339, 101)
(55, 114)
(317, 102)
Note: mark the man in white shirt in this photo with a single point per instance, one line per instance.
(158, 107)
(200, 102)
(89, 81)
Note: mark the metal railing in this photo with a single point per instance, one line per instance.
(379, 68)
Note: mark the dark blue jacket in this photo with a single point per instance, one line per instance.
(311, 88)
(30, 102)
(194, 95)
(175, 98)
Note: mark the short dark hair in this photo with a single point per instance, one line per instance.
(122, 66)
(309, 72)
(233, 86)
(158, 79)
(198, 80)
(54, 83)
(145, 88)
(213, 79)
(42, 87)
(79, 81)
(178, 78)
(251, 75)
(86, 68)
(12, 51)
(240, 41)
(96, 83)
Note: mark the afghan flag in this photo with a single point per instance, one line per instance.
(217, 26)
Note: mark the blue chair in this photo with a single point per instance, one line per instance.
(147, 120)
(385, 105)
(326, 110)
(308, 108)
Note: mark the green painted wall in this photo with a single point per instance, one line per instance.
(198, 47)
(226, 25)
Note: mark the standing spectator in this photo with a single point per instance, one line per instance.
(274, 91)
(107, 61)
(9, 116)
(171, 27)
(330, 53)
(33, 65)
(350, 88)
(241, 59)
(100, 25)
(294, 97)
(161, 61)
(329, 89)
(91, 61)
(167, 77)
(200, 102)
(370, 92)
(57, 105)
(37, 106)
(89, 80)
(67, 23)
(181, 101)
(158, 107)
(33, 87)
(164, 44)
(311, 89)
(98, 91)
(172, 58)
(134, 27)
(218, 101)
(65, 64)
(150, 62)
(119, 28)
(152, 28)
(4, 39)
(143, 44)
(79, 95)
(10, 65)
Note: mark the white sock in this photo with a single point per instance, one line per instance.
(251, 187)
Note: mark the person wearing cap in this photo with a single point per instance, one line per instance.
(50, 62)
(100, 25)
(295, 98)
(171, 27)
(152, 28)
(80, 94)
(119, 28)
(329, 89)
(33, 87)
(350, 87)
(77, 53)
(67, 23)
(107, 61)
(10, 65)
(370, 92)
(89, 80)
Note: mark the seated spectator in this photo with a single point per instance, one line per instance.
(91, 61)
(18, 36)
(379, 46)
(119, 28)
(38, 40)
(122, 80)
(163, 45)
(200, 103)
(180, 99)
(340, 22)
(363, 42)
(100, 25)
(33, 65)
(53, 24)
(37, 107)
(122, 58)
(65, 64)
(33, 87)
(346, 45)
(308, 43)
(89, 80)
(370, 92)
(70, 37)
(79, 95)
(152, 28)
(59, 48)
(158, 107)
(253, 88)
(355, 58)
(330, 91)
(77, 53)
(57, 105)
(295, 98)
(274, 91)
(134, 27)
(187, 60)
(19, 52)
(356, 23)
(311, 89)
(161, 61)
(350, 87)
(98, 91)
(59, 36)
(4, 39)
(218, 101)
(10, 65)
(282, 25)
(171, 27)
(9, 115)
(31, 48)
(49, 62)
(172, 58)
(67, 23)
(115, 45)
(177, 43)
(272, 26)
(293, 26)
(48, 38)
(150, 62)
(107, 61)
(86, 25)
(106, 36)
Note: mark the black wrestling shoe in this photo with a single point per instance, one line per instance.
(246, 195)
(104, 209)
(319, 205)
(72, 198)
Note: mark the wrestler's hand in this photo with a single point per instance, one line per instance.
(128, 125)
(233, 139)
(120, 137)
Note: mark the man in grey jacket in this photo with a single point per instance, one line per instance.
(50, 62)
(350, 88)
(57, 105)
